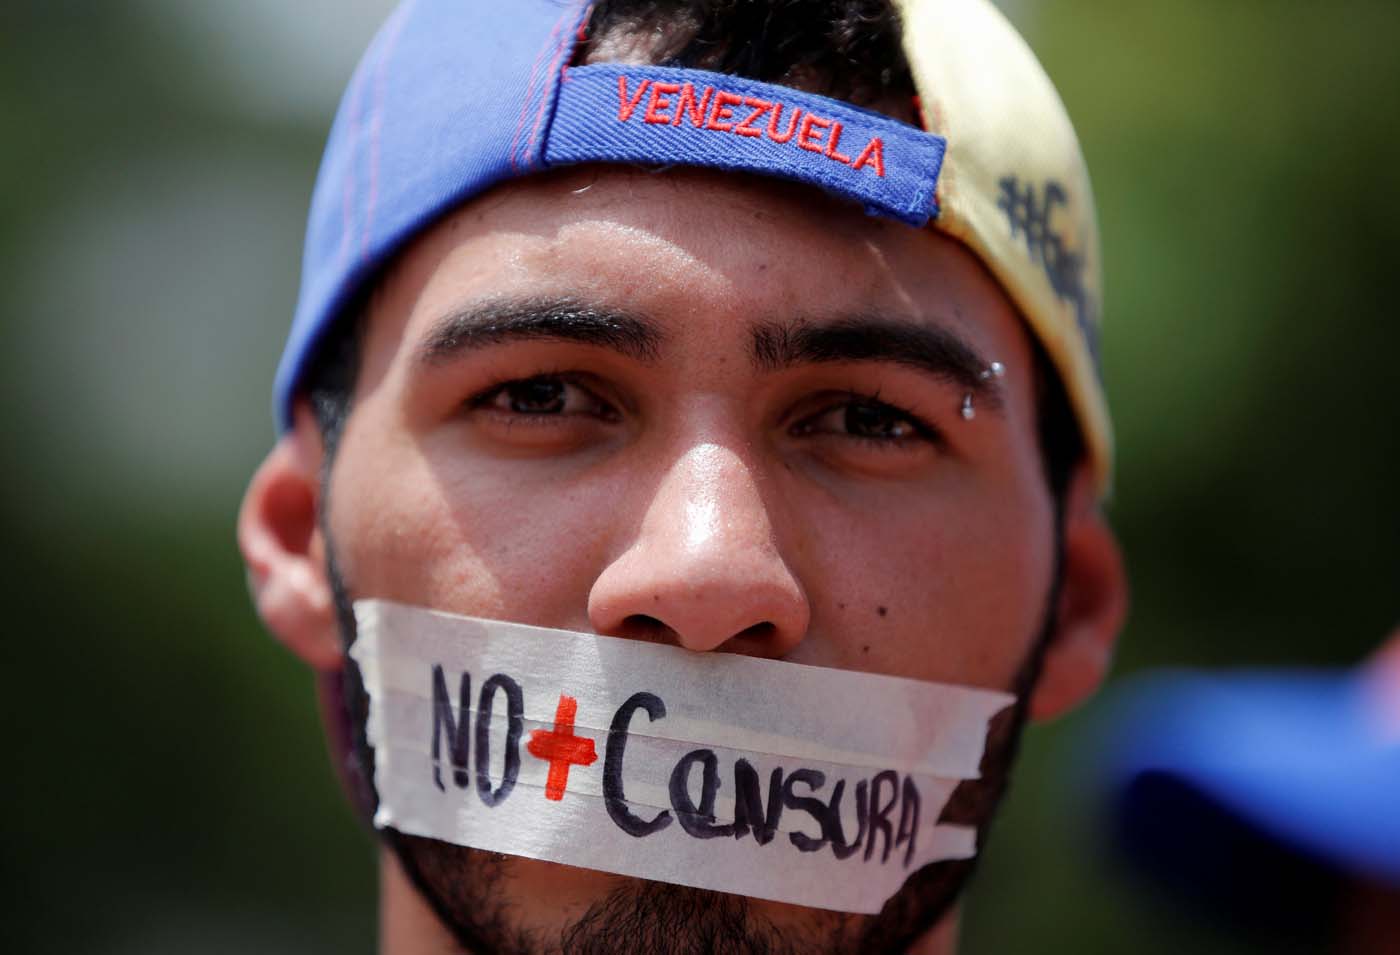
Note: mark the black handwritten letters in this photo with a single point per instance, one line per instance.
(612, 767)
(454, 729)
(445, 723)
(877, 821)
(1029, 212)
(515, 711)
(873, 816)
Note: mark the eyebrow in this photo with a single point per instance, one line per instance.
(560, 320)
(774, 345)
(878, 338)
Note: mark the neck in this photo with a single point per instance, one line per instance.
(942, 939)
(407, 926)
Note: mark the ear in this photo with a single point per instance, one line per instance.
(1092, 606)
(283, 547)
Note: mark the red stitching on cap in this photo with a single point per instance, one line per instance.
(656, 101)
(687, 105)
(554, 69)
(377, 123)
(719, 110)
(872, 154)
(805, 140)
(713, 111)
(525, 103)
(833, 142)
(626, 107)
(347, 198)
(761, 106)
(773, 124)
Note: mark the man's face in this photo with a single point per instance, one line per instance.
(719, 412)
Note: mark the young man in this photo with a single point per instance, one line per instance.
(781, 348)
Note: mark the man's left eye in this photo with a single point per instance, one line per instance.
(866, 419)
(542, 396)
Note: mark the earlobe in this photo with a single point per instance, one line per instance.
(283, 547)
(1092, 606)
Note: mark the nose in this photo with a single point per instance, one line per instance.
(704, 570)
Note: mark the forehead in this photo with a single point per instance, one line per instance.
(694, 248)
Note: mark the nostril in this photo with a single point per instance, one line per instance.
(758, 632)
(640, 626)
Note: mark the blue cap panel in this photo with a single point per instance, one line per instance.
(454, 97)
(665, 115)
(1293, 753)
(451, 98)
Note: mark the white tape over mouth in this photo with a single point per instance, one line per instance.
(767, 779)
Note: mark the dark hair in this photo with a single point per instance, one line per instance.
(330, 377)
(847, 49)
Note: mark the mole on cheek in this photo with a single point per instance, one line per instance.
(882, 610)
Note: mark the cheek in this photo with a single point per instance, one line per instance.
(963, 587)
(447, 534)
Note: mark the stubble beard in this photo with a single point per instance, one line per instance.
(641, 917)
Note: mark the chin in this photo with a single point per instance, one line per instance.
(506, 905)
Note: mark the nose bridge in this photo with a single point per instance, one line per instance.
(713, 497)
(705, 562)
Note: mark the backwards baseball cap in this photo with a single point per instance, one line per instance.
(453, 98)
(1220, 783)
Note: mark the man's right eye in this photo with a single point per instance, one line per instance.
(543, 396)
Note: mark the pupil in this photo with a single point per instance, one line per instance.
(872, 421)
(537, 396)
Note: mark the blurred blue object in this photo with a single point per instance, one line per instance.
(1258, 792)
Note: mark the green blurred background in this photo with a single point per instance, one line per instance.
(168, 790)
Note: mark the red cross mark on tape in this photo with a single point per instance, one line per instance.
(561, 748)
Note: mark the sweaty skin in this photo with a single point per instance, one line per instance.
(840, 513)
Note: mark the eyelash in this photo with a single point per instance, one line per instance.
(482, 399)
(923, 430)
(831, 403)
